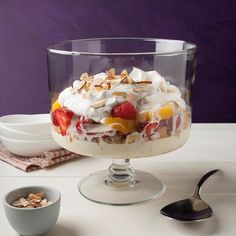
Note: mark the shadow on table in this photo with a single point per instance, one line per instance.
(63, 230)
(208, 227)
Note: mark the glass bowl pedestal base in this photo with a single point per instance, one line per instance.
(121, 185)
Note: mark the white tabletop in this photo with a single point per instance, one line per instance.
(210, 146)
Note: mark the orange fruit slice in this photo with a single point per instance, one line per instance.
(56, 105)
(119, 127)
(122, 125)
(165, 112)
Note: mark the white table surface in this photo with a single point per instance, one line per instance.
(210, 146)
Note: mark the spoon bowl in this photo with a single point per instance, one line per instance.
(188, 210)
(192, 209)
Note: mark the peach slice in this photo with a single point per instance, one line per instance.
(122, 125)
(165, 112)
(119, 127)
(56, 105)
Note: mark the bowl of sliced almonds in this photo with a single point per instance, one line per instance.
(32, 210)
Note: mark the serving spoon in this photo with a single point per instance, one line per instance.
(192, 209)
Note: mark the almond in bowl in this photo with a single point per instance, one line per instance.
(33, 200)
(32, 210)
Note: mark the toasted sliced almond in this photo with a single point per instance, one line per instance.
(98, 104)
(143, 82)
(139, 89)
(123, 76)
(129, 80)
(85, 77)
(41, 194)
(123, 73)
(97, 81)
(89, 79)
(81, 85)
(119, 94)
(78, 85)
(124, 80)
(35, 200)
(44, 202)
(98, 87)
(24, 202)
(87, 86)
(111, 73)
(107, 86)
(35, 204)
(17, 203)
(34, 196)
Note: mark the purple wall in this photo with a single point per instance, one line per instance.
(28, 26)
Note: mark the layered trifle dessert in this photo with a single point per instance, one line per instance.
(121, 115)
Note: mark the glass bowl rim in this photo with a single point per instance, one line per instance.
(50, 49)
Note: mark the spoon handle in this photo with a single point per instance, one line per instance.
(203, 179)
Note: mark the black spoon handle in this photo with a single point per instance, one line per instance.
(203, 179)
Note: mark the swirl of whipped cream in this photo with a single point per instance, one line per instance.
(157, 93)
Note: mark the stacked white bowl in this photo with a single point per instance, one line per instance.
(27, 135)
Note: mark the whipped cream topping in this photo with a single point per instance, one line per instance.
(156, 93)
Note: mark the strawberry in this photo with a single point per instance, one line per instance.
(151, 128)
(54, 119)
(81, 121)
(124, 110)
(62, 117)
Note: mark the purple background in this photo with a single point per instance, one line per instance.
(28, 26)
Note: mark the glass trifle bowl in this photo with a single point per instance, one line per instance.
(121, 98)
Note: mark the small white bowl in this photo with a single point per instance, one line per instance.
(29, 148)
(32, 221)
(34, 124)
(15, 134)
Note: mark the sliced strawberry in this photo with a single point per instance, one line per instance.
(54, 119)
(78, 126)
(124, 110)
(62, 117)
(151, 128)
(80, 122)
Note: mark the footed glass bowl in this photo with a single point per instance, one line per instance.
(121, 98)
